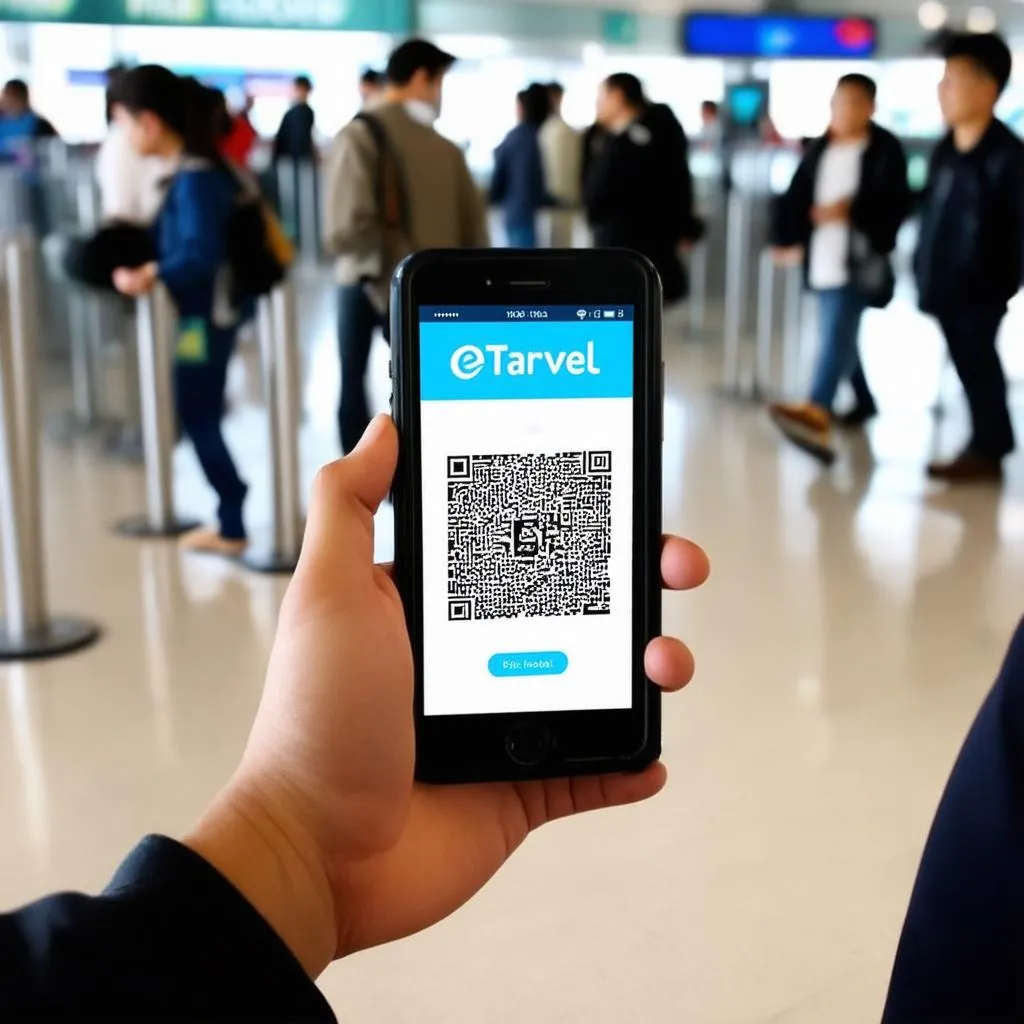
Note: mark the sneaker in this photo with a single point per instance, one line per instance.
(207, 541)
(968, 468)
(806, 425)
(856, 417)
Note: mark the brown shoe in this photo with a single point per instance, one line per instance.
(806, 425)
(209, 542)
(968, 468)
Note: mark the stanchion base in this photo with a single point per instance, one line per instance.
(139, 526)
(60, 635)
(68, 426)
(269, 561)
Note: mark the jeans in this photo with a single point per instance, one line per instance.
(357, 320)
(971, 339)
(840, 311)
(962, 947)
(521, 236)
(199, 397)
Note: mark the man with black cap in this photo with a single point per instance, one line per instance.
(393, 185)
(970, 259)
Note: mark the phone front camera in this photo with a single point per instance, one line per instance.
(489, 282)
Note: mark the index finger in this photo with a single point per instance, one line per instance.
(684, 565)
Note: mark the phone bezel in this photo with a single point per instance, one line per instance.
(478, 747)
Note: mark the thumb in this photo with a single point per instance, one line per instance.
(345, 496)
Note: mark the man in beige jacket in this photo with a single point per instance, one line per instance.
(392, 185)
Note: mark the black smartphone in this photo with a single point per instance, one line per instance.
(528, 397)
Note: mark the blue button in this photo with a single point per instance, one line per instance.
(528, 663)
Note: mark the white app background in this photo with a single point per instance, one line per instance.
(457, 680)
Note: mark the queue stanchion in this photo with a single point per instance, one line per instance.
(156, 324)
(792, 326)
(736, 260)
(698, 286)
(761, 382)
(277, 329)
(306, 209)
(27, 629)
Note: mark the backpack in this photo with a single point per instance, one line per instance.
(258, 251)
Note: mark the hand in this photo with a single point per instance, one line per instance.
(831, 213)
(323, 827)
(788, 256)
(135, 280)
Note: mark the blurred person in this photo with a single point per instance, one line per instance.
(840, 218)
(240, 136)
(20, 125)
(322, 843)
(371, 87)
(392, 185)
(969, 259)
(711, 130)
(561, 149)
(638, 191)
(175, 119)
(294, 139)
(518, 182)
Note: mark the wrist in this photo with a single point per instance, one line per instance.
(252, 837)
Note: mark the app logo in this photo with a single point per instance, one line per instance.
(468, 361)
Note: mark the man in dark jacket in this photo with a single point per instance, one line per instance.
(638, 191)
(841, 215)
(294, 138)
(969, 262)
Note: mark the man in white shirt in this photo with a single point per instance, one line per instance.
(561, 149)
(841, 216)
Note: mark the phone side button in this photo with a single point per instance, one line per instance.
(662, 410)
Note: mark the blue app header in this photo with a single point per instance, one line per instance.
(480, 314)
(516, 359)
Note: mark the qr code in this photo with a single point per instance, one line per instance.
(529, 535)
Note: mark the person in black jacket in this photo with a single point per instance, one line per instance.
(969, 261)
(638, 191)
(321, 844)
(294, 138)
(841, 215)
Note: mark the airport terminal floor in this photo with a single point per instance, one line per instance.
(854, 620)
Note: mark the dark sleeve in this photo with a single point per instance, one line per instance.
(499, 180)
(879, 211)
(170, 939)
(693, 227)
(199, 208)
(282, 140)
(607, 180)
(791, 212)
(45, 129)
(538, 183)
(960, 954)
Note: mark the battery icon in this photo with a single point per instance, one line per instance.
(609, 314)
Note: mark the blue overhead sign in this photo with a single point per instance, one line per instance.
(761, 36)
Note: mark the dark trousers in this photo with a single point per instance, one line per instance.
(199, 394)
(961, 955)
(357, 320)
(971, 338)
(863, 398)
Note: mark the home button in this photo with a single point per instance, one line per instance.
(528, 744)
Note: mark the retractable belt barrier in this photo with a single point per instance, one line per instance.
(28, 630)
(277, 328)
(156, 324)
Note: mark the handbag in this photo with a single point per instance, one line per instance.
(871, 273)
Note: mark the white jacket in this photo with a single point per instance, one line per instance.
(132, 187)
(561, 149)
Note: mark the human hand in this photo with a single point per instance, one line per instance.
(135, 281)
(831, 213)
(323, 827)
(788, 256)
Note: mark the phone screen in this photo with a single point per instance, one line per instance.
(526, 434)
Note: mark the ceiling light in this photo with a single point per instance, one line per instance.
(932, 15)
(981, 19)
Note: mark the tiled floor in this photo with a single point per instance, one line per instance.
(853, 622)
